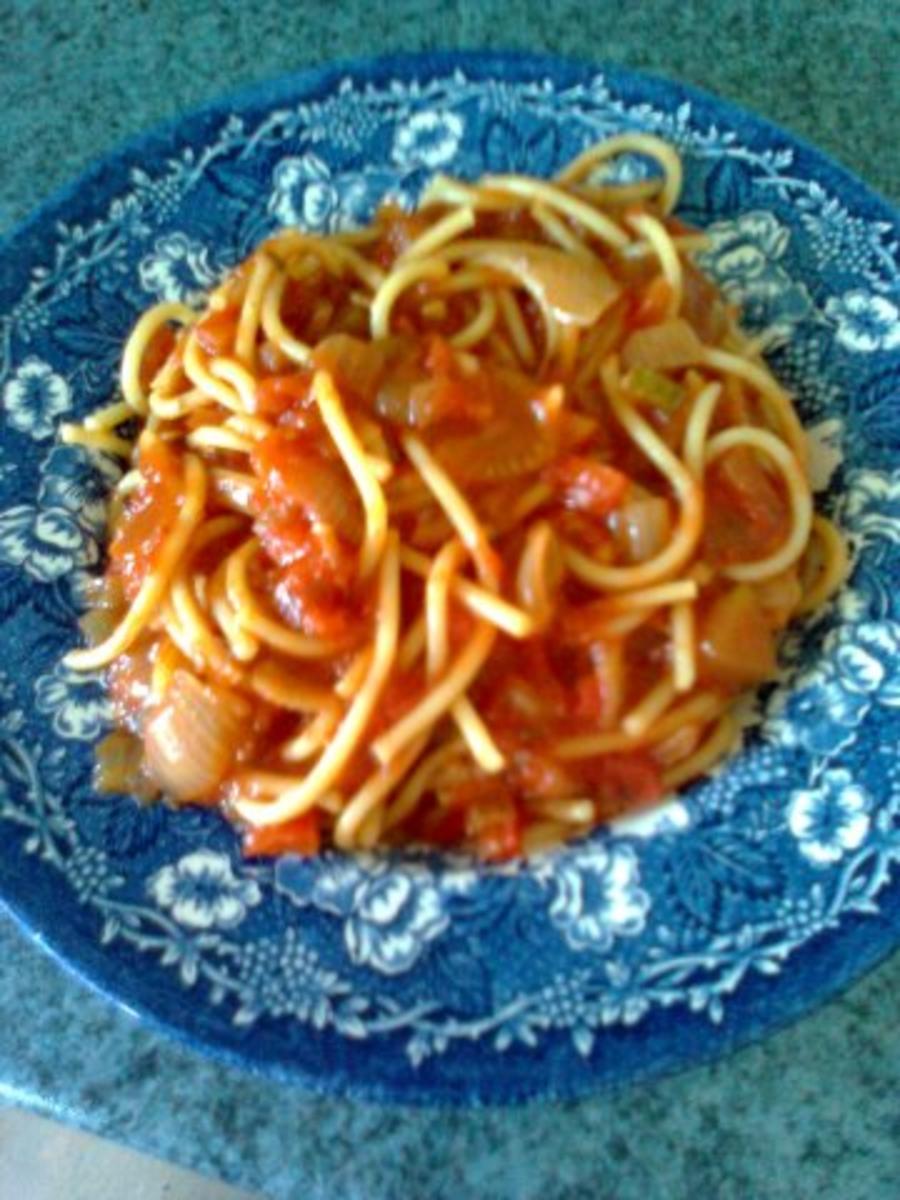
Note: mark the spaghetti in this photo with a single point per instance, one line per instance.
(467, 529)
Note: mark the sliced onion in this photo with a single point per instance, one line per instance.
(519, 440)
(507, 450)
(702, 305)
(678, 745)
(780, 596)
(329, 497)
(417, 398)
(608, 661)
(416, 403)
(642, 528)
(191, 740)
(119, 759)
(576, 291)
(392, 400)
(540, 573)
(353, 364)
(322, 489)
(736, 641)
(665, 346)
(97, 624)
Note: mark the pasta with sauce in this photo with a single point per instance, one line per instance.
(466, 529)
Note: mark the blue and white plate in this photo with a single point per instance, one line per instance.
(744, 903)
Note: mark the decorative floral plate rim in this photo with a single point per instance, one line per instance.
(662, 943)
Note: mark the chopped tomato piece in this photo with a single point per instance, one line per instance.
(216, 331)
(500, 841)
(586, 533)
(286, 538)
(316, 546)
(297, 477)
(587, 701)
(494, 827)
(300, 836)
(587, 485)
(314, 588)
(280, 393)
(539, 775)
(314, 604)
(747, 516)
(439, 356)
(621, 782)
(149, 515)
(298, 298)
(520, 692)
(484, 790)
(439, 826)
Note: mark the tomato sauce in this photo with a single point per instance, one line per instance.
(217, 330)
(148, 517)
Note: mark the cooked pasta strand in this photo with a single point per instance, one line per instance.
(136, 347)
(440, 698)
(154, 586)
(346, 738)
(357, 463)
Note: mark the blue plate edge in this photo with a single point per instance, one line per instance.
(405, 62)
(720, 1040)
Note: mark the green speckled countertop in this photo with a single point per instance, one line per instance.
(811, 1112)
